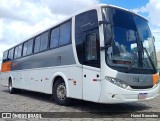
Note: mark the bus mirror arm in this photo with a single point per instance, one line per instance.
(105, 22)
(105, 47)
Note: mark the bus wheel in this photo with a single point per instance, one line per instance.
(11, 89)
(59, 93)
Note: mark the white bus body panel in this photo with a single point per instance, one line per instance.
(17, 79)
(91, 83)
(4, 78)
(75, 84)
(41, 80)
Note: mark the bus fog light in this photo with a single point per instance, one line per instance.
(117, 82)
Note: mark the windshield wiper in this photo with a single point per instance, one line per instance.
(133, 61)
(130, 66)
(150, 59)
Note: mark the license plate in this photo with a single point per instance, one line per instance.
(142, 96)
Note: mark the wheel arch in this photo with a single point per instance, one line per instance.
(60, 75)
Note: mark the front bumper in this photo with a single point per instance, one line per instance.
(111, 93)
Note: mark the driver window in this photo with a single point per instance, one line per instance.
(92, 50)
(91, 47)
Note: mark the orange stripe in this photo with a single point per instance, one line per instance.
(155, 78)
(6, 66)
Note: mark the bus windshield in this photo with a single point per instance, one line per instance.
(129, 35)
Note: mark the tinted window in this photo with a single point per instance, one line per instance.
(25, 49)
(65, 33)
(16, 53)
(91, 47)
(54, 38)
(10, 56)
(86, 25)
(29, 47)
(19, 51)
(37, 44)
(44, 41)
(5, 55)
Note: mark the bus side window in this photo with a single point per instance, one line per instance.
(19, 54)
(5, 54)
(44, 41)
(91, 47)
(10, 55)
(29, 47)
(65, 33)
(87, 38)
(16, 53)
(25, 48)
(37, 44)
(54, 38)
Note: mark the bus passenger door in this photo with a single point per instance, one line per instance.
(91, 66)
(88, 52)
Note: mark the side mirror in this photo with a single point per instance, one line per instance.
(107, 32)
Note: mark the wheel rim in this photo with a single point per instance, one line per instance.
(61, 91)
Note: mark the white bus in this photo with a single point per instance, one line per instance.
(104, 54)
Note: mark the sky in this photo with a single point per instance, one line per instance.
(20, 19)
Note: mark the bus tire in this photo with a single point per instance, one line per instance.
(59, 93)
(11, 89)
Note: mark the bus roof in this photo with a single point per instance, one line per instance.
(96, 6)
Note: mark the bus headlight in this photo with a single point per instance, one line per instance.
(117, 82)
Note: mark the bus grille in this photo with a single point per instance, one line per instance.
(141, 87)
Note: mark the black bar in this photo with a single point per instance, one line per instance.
(26, 115)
